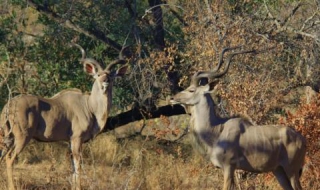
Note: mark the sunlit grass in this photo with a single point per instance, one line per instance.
(133, 163)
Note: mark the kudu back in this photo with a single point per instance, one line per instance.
(69, 115)
(236, 143)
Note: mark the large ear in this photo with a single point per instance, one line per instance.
(122, 70)
(89, 68)
(211, 85)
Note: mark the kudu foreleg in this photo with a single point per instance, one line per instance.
(228, 176)
(76, 159)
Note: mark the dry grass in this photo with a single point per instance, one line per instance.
(134, 163)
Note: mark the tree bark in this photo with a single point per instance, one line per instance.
(158, 34)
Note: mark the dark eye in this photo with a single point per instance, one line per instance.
(191, 90)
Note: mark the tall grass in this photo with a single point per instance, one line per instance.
(133, 163)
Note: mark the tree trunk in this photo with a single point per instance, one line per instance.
(158, 34)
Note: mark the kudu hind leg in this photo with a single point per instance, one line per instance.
(295, 181)
(293, 173)
(282, 178)
(17, 146)
(10, 154)
(10, 157)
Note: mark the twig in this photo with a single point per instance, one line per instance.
(294, 10)
(307, 20)
(148, 11)
(271, 15)
(92, 33)
(281, 26)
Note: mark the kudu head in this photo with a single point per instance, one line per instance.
(193, 94)
(200, 84)
(103, 77)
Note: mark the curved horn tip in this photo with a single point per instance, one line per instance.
(116, 62)
(125, 52)
(83, 52)
(70, 44)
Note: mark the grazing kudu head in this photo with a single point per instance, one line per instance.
(235, 143)
(69, 115)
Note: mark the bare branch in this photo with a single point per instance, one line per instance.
(309, 19)
(137, 114)
(293, 11)
(149, 10)
(92, 33)
(281, 26)
(291, 29)
(271, 15)
(176, 14)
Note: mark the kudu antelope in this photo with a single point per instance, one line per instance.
(236, 143)
(68, 116)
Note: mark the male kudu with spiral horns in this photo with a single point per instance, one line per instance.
(70, 115)
(236, 143)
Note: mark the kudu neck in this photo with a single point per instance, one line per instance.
(206, 128)
(99, 103)
(204, 114)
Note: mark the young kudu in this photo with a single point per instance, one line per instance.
(236, 143)
(68, 116)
